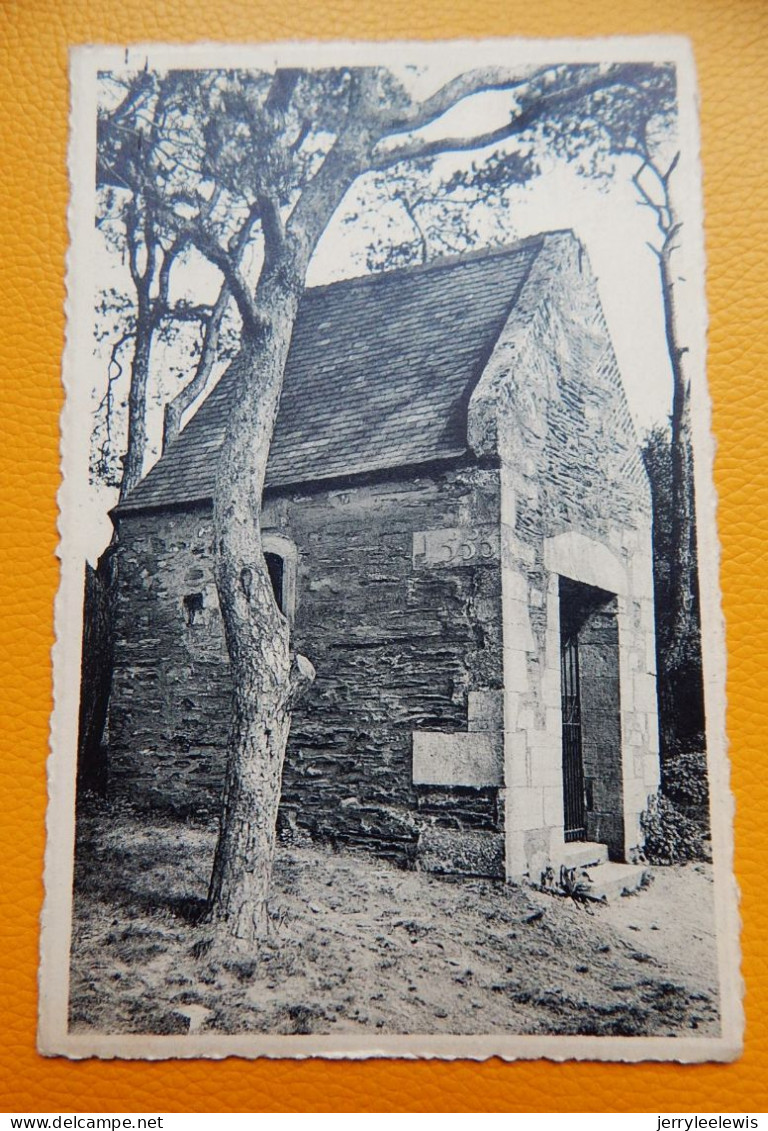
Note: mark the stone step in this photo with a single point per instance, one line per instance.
(582, 854)
(612, 880)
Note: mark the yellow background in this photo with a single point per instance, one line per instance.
(729, 38)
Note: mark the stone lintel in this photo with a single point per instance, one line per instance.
(579, 558)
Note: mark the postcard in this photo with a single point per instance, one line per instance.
(389, 672)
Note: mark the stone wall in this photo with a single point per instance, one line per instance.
(170, 692)
(575, 504)
(397, 603)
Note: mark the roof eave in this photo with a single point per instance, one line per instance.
(459, 458)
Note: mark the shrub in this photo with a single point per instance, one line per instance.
(685, 780)
(671, 836)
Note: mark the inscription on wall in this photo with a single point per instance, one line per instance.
(455, 546)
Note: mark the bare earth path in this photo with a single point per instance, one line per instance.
(357, 945)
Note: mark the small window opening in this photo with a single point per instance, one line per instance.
(193, 604)
(276, 568)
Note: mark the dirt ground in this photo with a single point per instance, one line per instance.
(357, 945)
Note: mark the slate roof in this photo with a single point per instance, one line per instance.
(379, 376)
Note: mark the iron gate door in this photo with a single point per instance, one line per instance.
(573, 765)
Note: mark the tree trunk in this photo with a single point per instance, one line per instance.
(136, 447)
(96, 673)
(264, 675)
(682, 557)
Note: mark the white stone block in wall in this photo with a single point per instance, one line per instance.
(485, 710)
(551, 694)
(626, 690)
(554, 721)
(635, 795)
(647, 617)
(640, 722)
(528, 808)
(516, 761)
(547, 769)
(553, 806)
(515, 668)
(515, 861)
(552, 647)
(460, 759)
(517, 625)
(511, 708)
(508, 507)
(525, 719)
(633, 834)
(514, 551)
(515, 585)
(651, 775)
(644, 689)
(582, 559)
(642, 576)
(652, 727)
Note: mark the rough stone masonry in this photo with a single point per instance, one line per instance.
(455, 503)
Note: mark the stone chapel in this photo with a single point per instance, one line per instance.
(458, 528)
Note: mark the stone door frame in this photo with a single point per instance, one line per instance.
(533, 769)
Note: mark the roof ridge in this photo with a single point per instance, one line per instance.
(443, 262)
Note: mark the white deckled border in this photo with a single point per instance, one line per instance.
(53, 1036)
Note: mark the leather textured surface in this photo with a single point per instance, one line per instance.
(730, 42)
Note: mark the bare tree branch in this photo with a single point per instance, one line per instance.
(480, 81)
(281, 90)
(196, 233)
(671, 169)
(236, 281)
(164, 277)
(556, 92)
(175, 408)
(421, 148)
(411, 214)
(272, 226)
(132, 226)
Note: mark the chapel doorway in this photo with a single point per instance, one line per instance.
(591, 718)
(574, 796)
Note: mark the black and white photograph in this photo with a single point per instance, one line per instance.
(389, 672)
